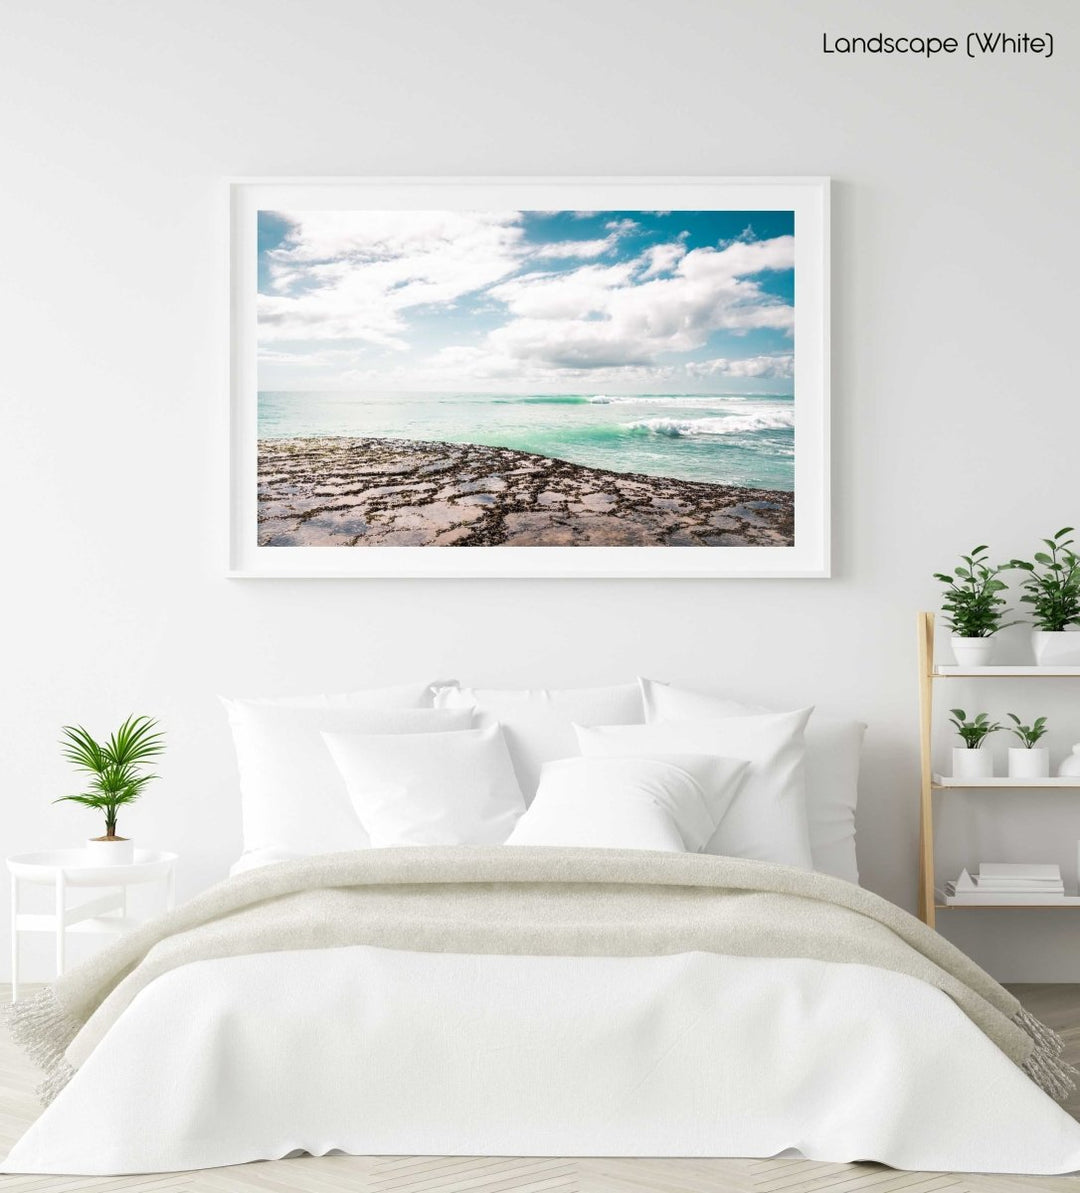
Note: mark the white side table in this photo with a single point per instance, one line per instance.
(63, 869)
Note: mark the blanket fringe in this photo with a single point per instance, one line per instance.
(43, 1030)
(1046, 1065)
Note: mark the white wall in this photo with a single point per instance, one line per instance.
(956, 414)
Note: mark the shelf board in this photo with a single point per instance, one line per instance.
(943, 781)
(1070, 902)
(950, 671)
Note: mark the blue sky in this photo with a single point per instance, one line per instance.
(526, 301)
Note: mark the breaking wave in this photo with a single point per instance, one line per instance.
(732, 424)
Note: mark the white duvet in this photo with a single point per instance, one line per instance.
(375, 1051)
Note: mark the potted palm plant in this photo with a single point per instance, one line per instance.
(1029, 760)
(1052, 589)
(970, 761)
(117, 778)
(974, 607)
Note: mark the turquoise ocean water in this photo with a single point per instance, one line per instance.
(734, 439)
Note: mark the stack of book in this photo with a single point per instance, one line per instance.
(1007, 882)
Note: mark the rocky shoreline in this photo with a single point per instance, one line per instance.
(349, 492)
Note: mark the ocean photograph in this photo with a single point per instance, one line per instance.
(604, 378)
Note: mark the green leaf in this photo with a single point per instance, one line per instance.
(80, 749)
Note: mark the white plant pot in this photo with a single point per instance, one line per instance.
(1056, 648)
(972, 652)
(1029, 764)
(972, 764)
(120, 852)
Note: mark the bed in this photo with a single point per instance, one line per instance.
(604, 967)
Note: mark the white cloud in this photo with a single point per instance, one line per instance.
(779, 365)
(603, 316)
(575, 248)
(570, 295)
(662, 258)
(348, 275)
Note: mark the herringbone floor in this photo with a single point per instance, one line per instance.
(1057, 1005)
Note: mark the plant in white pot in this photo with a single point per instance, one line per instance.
(1029, 760)
(117, 778)
(974, 607)
(971, 761)
(1052, 589)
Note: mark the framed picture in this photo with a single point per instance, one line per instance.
(529, 377)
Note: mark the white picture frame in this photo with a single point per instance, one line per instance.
(808, 198)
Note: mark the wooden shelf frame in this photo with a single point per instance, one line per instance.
(930, 782)
(927, 906)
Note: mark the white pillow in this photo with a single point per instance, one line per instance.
(833, 750)
(430, 788)
(255, 859)
(539, 722)
(672, 803)
(767, 818)
(292, 796)
(405, 695)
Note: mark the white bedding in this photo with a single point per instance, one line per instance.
(375, 1051)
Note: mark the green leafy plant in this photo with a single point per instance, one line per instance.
(1028, 734)
(973, 603)
(973, 732)
(115, 767)
(1052, 586)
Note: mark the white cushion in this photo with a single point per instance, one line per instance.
(672, 803)
(833, 751)
(767, 818)
(539, 722)
(430, 788)
(292, 796)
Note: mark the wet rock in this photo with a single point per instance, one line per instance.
(338, 491)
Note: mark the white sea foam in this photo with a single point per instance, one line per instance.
(669, 400)
(733, 424)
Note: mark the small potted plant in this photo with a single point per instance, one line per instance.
(1029, 760)
(974, 607)
(1052, 589)
(117, 778)
(970, 761)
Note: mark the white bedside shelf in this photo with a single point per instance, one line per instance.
(107, 912)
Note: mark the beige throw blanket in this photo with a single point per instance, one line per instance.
(538, 901)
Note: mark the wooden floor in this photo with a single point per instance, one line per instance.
(1058, 1006)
